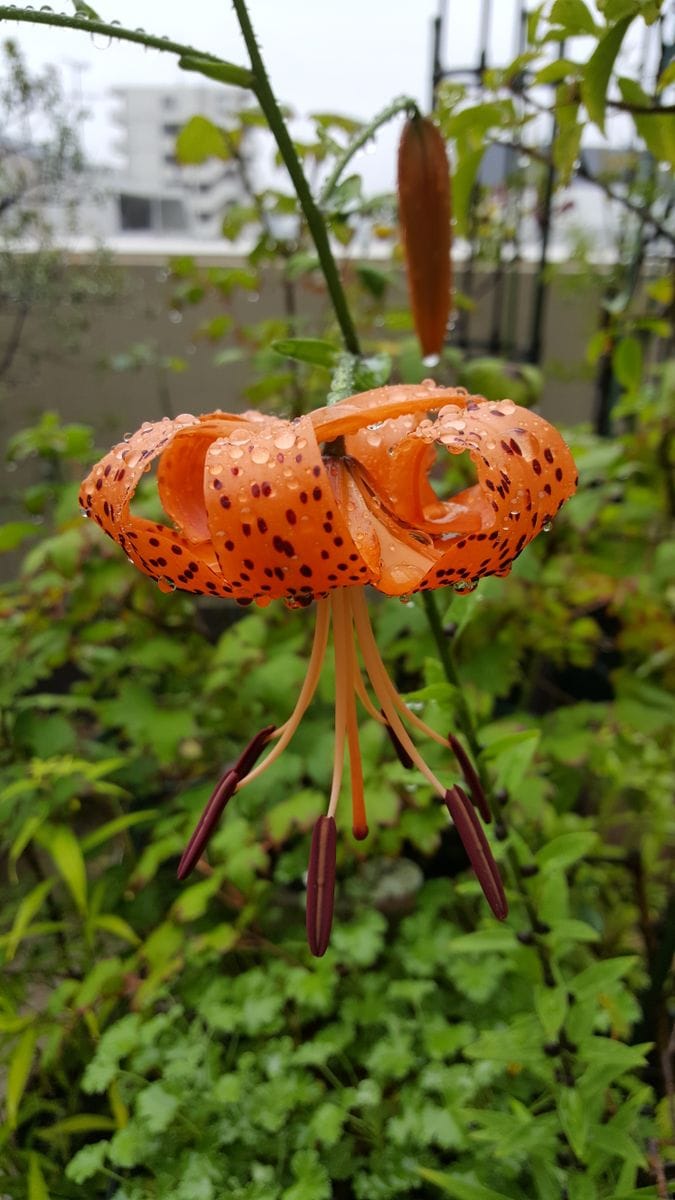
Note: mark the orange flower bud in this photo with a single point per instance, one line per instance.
(424, 216)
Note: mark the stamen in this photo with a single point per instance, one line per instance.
(471, 777)
(380, 681)
(342, 658)
(395, 696)
(249, 757)
(286, 731)
(359, 819)
(401, 753)
(321, 885)
(223, 791)
(478, 849)
(365, 699)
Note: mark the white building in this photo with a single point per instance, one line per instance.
(154, 193)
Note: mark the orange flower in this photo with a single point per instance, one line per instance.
(316, 508)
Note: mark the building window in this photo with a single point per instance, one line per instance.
(171, 129)
(135, 212)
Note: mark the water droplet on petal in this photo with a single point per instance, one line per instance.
(547, 526)
(285, 440)
(260, 455)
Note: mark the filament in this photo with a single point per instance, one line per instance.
(394, 695)
(341, 635)
(286, 731)
(383, 688)
(359, 820)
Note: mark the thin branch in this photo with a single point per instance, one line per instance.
(582, 170)
(317, 228)
(400, 104)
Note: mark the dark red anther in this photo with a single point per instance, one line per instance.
(321, 885)
(478, 849)
(249, 757)
(223, 791)
(401, 752)
(471, 777)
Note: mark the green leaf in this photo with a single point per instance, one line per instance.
(373, 280)
(37, 1188)
(627, 360)
(497, 939)
(118, 825)
(511, 756)
(17, 1075)
(112, 923)
(87, 1162)
(573, 16)
(372, 372)
(200, 139)
(28, 908)
(460, 1187)
(315, 351)
(566, 849)
(551, 1007)
(575, 1119)
(157, 1107)
(656, 129)
(62, 846)
(223, 72)
(80, 1123)
(600, 976)
(85, 10)
(117, 1041)
(13, 533)
(598, 70)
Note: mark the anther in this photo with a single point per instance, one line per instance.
(321, 885)
(401, 752)
(471, 777)
(478, 849)
(223, 791)
(250, 755)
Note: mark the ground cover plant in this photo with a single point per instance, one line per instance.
(162, 1039)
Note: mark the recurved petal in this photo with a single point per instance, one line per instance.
(155, 549)
(397, 464)
(274, 521)
(525, 473)
(383, 404)
(180, 475)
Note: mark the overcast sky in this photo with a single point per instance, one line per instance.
(350, 56)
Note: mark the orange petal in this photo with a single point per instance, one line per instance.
(274, 520)
(397, 464)
(180, 475)
(397, 560)
(525, 474)
(383, 404)
(155, 549)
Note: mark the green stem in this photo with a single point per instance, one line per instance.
(468, 728)
(88, 25)
(400, 104)
(313, 217)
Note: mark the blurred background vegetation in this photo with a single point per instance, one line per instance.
(163, 1041)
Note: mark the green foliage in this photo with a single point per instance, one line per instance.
(164, 1040)
(172, 1050)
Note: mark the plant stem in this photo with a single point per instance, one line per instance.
(400, 104)
(313, 217)
(468, 728)
(88, 25)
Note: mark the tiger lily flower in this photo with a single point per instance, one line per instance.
(315, 509)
